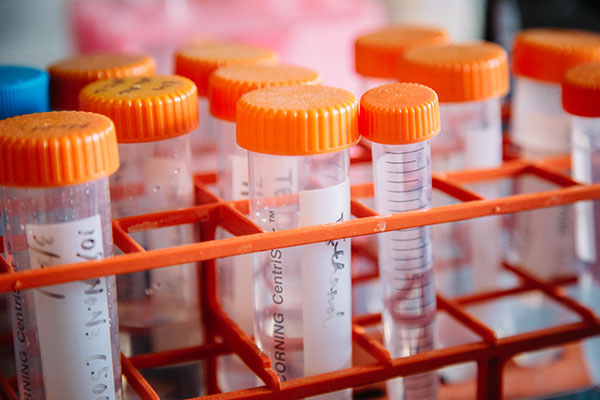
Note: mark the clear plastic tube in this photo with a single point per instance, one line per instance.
(204, 140)
(471, 137)
(586, 169)
(468, 254)
(66, 335)
(302, 334)
(543, 240)
(156, 176)
(235, 273)
(403, 183)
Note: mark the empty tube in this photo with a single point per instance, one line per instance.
(197, 61)
(297, 140)
(377, 54)
(58, 212)
(400, 119)
(543, 241)
(159, 309)
(69, 75)
(581, 100)
(226, 86)
(470, 80)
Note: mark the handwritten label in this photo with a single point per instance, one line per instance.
(72, 318)
(326, 283)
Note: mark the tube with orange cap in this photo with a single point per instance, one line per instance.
(297, 139)
(376, 54)
(54, 170)
(153, 116)
(543, 240)
(68, 76)
(400, 119)
(581, 100)
(197, 61)
(470, 80)
(226, 86)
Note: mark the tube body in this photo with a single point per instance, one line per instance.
(586, 169)
(65, 336)
(234, 273)
(302, 301)
(154, 177)
(403, 183)
(468, 253)
(204, 140)
(543, 240)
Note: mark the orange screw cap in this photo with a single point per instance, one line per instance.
(70, 75)
(581, 90)
(198, 60)
(145, 109)
(56, 149)
(399, 113)
(297, 120)
(227, 85)
(376, 54)
(546, 54)
(458, 72)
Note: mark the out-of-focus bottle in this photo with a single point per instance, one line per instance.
(470, 80)
(581, 99)
(54, 171)
(542, 241)
(226, 86)
(68, 76)
(400, 119)
(376, 54)
(197, 62)
(297, 140)
(158, 309)
(23, 90)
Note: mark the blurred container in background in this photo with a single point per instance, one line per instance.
(315, 33)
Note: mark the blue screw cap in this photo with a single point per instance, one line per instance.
(23, 90)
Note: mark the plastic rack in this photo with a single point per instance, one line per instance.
(222, 336)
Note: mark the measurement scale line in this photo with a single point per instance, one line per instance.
(405, 152)
(406, 191)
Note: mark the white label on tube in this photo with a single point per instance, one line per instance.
(239, 177)
(326, 283)
(72, 318)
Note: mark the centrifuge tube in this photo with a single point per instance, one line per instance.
(158, 309)
(543, 239)
(152, 116)
(23, 90)
(581, 99)
(54, 171)
(197, 61)
(400, 119)
(68, 76)
(226, 86)
(376, 54)
(297, 140)
(470, 80)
